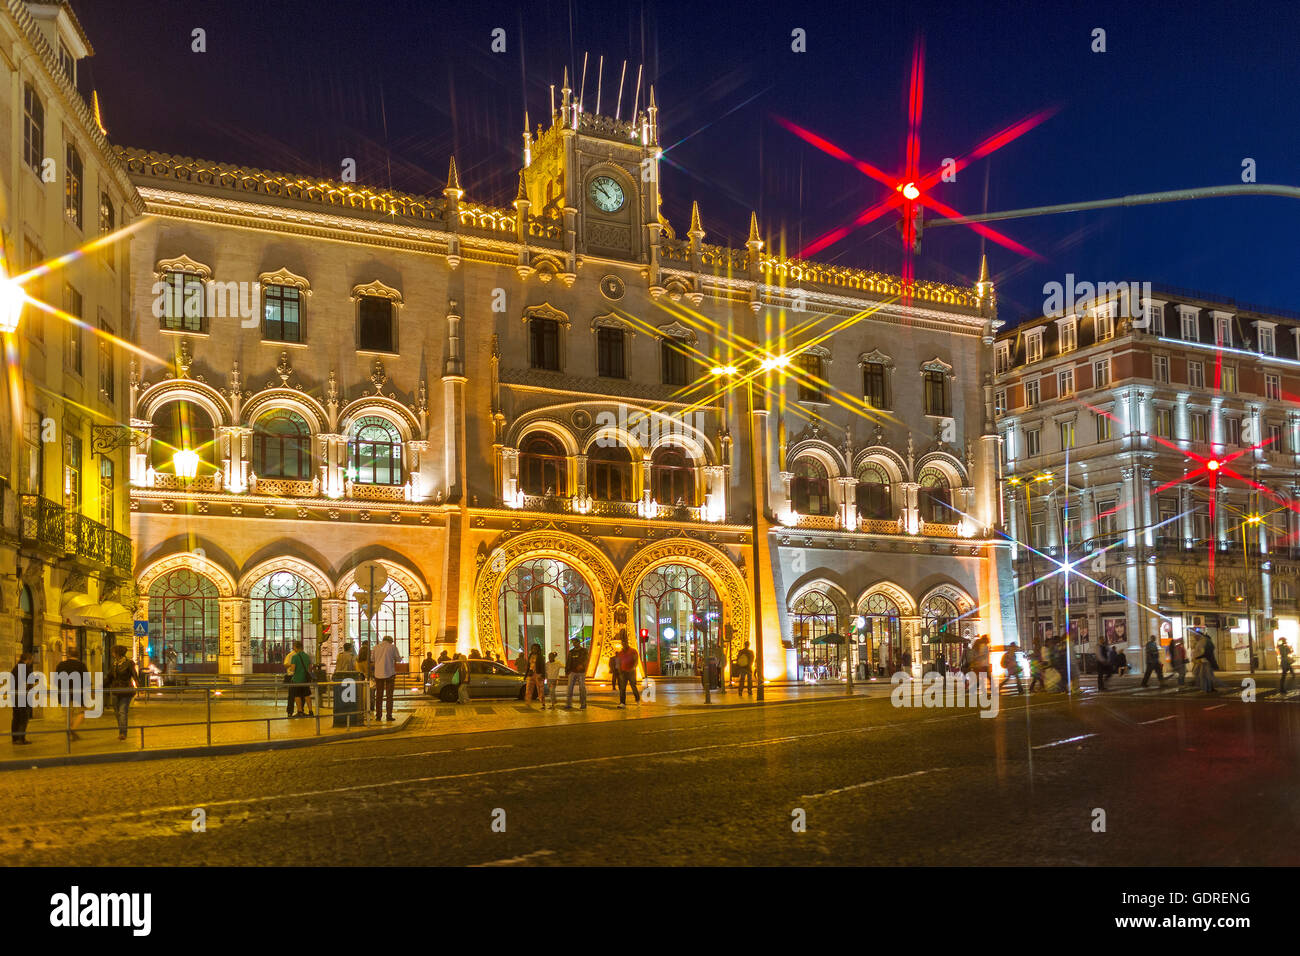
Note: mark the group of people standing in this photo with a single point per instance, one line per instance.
(377, 666)
(121, 680)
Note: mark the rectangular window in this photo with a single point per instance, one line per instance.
(873, 385)
(609, 353)
(999, 401)
(1160, 368)
(1103, 423)
(1067, 434)
(1034, 346)
(1101, 373)
(1229, 381)
(1267, 344)
(376, 332)
(107, 367)
(33, 129)
(107, 223)
(1069, 335)
(35, 318)
(1200, 426)
(1272, 386)
(68, 64)
(1033, 442)
(1275, 438)
(1065, 383)
(936, 393)
(72, 342)
(674, 363)
(73, 178)
(106, 509)
(1165, 422)
(1196, 374)
(1155, 314)
(1232, 431)
(34, 454)
(1191, 328)
(1107, 527)
(1070, 525)
(1002, 359)
(1031, 393)
(544, 343)
(1222, 330)
(1168, 525)
(1105, 326)
(811, 388)
(282, 308)
(183, 303)
(71, 470)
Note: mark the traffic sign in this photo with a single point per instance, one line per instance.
(141, 628)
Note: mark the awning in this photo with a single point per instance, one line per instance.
(106, 616)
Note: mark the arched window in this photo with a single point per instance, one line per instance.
(818, 634)
(184, 622)
(375, 452)
(279, 614)
(881, 635)
(935, 497)
(874, 498)
(282, 446)
(672, 476)
(939, 618)
(546, 602)
(1112, 590)
(1284, 591)
(393, 619)
(1172, 588)
(609, 473)
(677, 611)
(810, 488)
(180, 426)
(543, 466)
(1205, 589)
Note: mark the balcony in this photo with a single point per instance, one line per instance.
(121, 558)
(83, 538)
(41, 523)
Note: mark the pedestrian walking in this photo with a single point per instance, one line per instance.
(1104, 665)
(72, 681)
(1284, 657)
(980, 663)
(745, 670)
(613, 670)
(1210, 664)
(22, 675)
(122, 678)
(535, 671)
(553, 669)
(941, 665)
(575, 665)
(627, 660)
(1151, 653)
(1037, 672)
(460, 679)
(1011, 664)
(1178, 659)
(384, 663)
(907, 662)
(297, 674)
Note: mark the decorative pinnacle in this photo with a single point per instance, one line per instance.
(522, 194)
(754, 241)
(453, 180)
(984, 285)
(652, 105)
(696, 228)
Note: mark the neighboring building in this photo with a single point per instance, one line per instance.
(65, 554)
(1143, 407)
(513, 412)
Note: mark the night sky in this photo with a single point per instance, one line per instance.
(1182, 95)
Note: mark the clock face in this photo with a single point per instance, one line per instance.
(606, 194)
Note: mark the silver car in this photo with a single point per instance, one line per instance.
(486, 679)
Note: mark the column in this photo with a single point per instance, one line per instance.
(847, 505)
(510, 476)
(911, 510)
(333, 467)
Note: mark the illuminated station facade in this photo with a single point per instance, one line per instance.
(536, 419)
(1178, 509)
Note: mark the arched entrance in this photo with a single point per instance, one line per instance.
(279, 614)
(392, 620)
(545, 601)
(942, 635)
(677, 610)
(184, 622)
(883, 644)
(818, 635)
(26, 618)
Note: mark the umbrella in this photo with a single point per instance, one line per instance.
(945, 639)
(829, 639)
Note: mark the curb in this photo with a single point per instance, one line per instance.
(217, 750)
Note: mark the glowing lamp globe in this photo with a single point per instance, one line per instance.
(12, 299)
(186, 463)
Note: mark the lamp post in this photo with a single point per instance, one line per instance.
(1254, 519)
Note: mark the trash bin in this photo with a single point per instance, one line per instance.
(349, 712)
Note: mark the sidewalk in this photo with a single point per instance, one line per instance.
(238, 723)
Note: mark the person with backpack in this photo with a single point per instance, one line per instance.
(575, 665)
(122, 678)
(1011, 664)
(297, 674)
(745, 670)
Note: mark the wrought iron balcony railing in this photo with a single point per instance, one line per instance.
(85, 538)
(41, 522)
(122, 558)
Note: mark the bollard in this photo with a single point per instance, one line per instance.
(208, 695)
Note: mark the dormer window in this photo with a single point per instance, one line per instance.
(1105, 325)
(1266, 338)
(1002, 358)
(1222, 330)
(1069, 334)
(1190, 327)
(1034, 346)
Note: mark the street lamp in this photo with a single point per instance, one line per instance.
(1256, 520)
(186, 463)
(768, 365)
(12, 300)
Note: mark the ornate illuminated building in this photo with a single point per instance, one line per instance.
(1183, 442)
(535, 418)
(65, 550)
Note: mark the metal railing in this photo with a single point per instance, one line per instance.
(276, 695)
(41, 522)
(85, 538)
(122, 557)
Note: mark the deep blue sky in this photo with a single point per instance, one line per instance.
(1184, 93)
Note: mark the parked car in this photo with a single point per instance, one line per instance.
(486, 679)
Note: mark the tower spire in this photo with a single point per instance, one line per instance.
(754, 239)
(695, 220)
(453, 180)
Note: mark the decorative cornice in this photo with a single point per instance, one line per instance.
(379, 289)
(285, 277)
(183, 263)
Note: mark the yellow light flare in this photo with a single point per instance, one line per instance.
(91, 245)
(108, 336)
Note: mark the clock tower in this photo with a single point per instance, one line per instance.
(596, 179)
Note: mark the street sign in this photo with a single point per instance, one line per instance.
(371, 577)
(141, 628)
